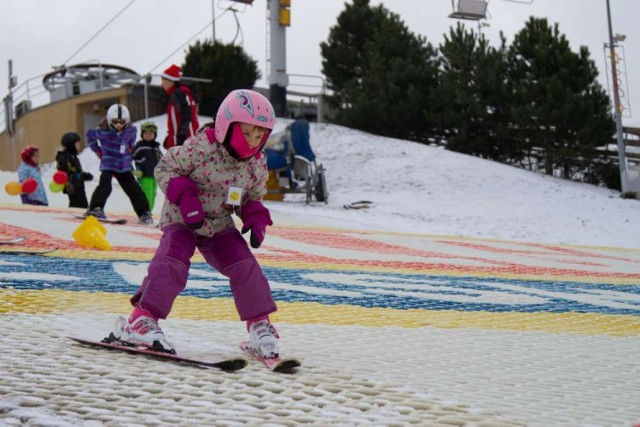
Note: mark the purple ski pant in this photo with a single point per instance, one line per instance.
(226, 251)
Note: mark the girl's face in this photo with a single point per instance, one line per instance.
(118, 124)
(246, 139)
(253, 134)
(78, 145)
(35, 157)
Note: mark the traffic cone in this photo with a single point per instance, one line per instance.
(92, 234)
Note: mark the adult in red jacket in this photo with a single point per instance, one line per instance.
(182, 115)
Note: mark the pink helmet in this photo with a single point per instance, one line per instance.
(246, 106)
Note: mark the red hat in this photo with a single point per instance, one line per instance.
(27, 153)
(172, 73)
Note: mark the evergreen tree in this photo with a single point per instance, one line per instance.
(343, 53)
(560, 110)
(384, 77)
(475, 96)
(227, 65)
(394, 94)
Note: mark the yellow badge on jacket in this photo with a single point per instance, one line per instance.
(234, 196)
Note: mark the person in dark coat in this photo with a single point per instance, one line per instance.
(300, 138)
(68, 162)
(146, 155)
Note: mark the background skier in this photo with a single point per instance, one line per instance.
(113, 144)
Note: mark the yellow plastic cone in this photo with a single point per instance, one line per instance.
(92, 234)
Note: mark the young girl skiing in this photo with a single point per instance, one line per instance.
(113, 144)
(146, 154)
(30, 169)
(219, 171)
(67, 161)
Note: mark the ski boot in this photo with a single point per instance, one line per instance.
(146, 218)
(142, 331)
(263, 338)
(97, 212)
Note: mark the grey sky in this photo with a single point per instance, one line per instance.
(39, 34)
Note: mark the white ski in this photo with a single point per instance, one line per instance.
(15, 241)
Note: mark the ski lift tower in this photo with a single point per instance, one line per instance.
(629, 179)
(279, 13)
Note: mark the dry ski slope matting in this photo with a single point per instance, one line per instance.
(390, 327)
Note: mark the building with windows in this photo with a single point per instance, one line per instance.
(79, 96)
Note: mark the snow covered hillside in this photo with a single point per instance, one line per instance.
(418, 188)
(477, 330)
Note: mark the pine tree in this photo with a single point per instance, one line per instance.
(227, 65)
(474, 96)
(343, 52)
(560, 111)
(384, 76)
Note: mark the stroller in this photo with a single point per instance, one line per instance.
(293, 168)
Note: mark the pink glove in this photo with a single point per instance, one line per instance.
(184, 193)
(255, 217)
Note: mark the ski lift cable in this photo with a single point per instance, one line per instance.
(185, 43)
(238, 28)
(99, 31)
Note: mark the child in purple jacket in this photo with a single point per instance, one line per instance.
(113, 143)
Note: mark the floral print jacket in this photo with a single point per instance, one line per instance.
(207, 163)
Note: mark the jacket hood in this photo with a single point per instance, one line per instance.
(27, 153)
